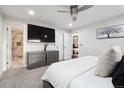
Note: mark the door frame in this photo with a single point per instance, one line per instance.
(8, 44)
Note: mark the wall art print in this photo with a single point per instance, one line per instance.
(116, 31)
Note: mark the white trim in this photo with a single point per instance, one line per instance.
(8, 47)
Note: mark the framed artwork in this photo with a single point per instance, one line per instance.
(116, 31)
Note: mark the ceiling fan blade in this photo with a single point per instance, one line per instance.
(85, 7)
(61, 11)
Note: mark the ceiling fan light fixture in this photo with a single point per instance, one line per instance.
(75, 9)
(74, 17)
(74, 12)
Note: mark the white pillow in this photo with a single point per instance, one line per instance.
(106, 63)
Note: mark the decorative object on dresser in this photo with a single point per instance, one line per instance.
(37, 59)
(45, 46)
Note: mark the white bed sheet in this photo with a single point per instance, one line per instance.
(89, 80)
(61, 74)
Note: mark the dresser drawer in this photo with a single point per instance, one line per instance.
(36, 60)
(52, 57)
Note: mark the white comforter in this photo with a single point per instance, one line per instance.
(61, 74)
(89, 80)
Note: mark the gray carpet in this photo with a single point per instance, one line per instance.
(22, 78)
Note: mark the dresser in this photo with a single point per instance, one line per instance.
(37, 59)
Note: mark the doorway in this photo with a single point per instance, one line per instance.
(75, 53)
(15, 46)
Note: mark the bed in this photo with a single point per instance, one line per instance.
(89, 80)
(75, 73)
(61, 74)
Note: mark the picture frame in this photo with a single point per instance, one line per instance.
(115, 31)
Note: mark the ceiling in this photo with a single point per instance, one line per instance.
(48, 14)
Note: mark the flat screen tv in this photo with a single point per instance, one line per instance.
(37, 34)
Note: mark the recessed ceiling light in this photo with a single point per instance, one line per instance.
(70, 24)
(31, 12)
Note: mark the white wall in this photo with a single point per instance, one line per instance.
(0, 43)
(33, 46)
(93, 46)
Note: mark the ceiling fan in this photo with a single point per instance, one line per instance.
(75, 9)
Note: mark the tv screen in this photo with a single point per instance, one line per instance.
(40, 34)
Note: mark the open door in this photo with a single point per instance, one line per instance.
(16, 49)
(15, 46)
